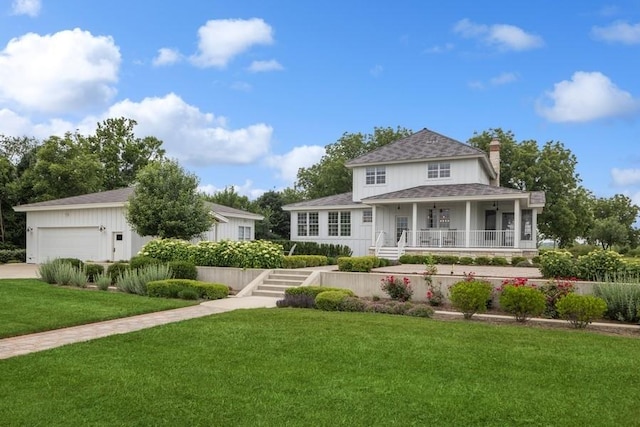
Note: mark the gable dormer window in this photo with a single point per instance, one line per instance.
(376, 175)
(438, 170)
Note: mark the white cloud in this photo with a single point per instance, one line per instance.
(222, 39)
(503, 79)
(622, 177)
(262, 66)
(287, 164)
(476, 85)
(14, 124)
(245, 189)
(26, 7)
(587, 96)
(502, 36)
(241, 86)
(440, 48)
(67, 71)
(376, 70)
(191, 136)
(619, 31)
(166, 56)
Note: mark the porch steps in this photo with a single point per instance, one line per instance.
(389, 252)
(278, 281)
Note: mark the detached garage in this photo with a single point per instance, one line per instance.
(92, 227)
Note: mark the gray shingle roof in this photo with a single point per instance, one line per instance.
(120, 196)
(344, 199)
(538, 198)
(453, 190)
(422, 145)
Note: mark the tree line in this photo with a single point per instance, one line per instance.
(114, 157)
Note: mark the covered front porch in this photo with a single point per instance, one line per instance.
(503, 225)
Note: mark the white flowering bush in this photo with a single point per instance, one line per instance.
(557, 264)
(166, 250)
(226, 253)
(600, 265)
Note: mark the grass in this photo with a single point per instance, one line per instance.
(30, 305)
(287, 367)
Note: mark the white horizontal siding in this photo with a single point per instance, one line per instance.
(407, 175)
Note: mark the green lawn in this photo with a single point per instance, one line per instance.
(30, 305)
(277, 367)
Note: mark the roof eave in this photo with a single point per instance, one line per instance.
(68, 207)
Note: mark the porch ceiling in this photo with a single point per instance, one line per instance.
(449, 193)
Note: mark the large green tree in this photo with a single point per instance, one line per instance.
(121, 152)
(550, 168)
(330, 176)
(276, 223)
(230, 197)
(614, 219)
(64, 167)
(165, 203)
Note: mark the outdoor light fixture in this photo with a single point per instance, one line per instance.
(30, 229)
(102, 228)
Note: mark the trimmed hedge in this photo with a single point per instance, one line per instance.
(331, 300)
(175, 288)
(183, 270)
(116, 269)
(362, 264)
(301, 261)
(312, 248)
(305, 296)
(92, 271)
(140, 261)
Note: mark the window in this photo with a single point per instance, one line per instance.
(438, 218)
(339, 223)
(244, 233)
(367, 216)
(438, 170)
(376, 175)
(308, 224)
(527, 224)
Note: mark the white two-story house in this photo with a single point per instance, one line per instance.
(426, 193)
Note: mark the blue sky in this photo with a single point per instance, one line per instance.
(244, 92)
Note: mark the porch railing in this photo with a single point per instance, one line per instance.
(449, 238)
(379, 241)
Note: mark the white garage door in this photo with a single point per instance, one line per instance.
(69, 242)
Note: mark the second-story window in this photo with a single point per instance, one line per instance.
(376, 175)
(438, 170)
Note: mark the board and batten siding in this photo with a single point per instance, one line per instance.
(407, 175)
(110, 219)
(229, 230)
(359, 241)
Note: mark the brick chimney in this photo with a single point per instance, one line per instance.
(494, 158)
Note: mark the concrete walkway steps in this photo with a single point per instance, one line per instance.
(24, 344)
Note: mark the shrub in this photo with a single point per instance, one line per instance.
(183, 270)
(398, 289)
(12, 254)
(116, 270)
(515, 260)
(75, 262)
(165, 250)
(525, 263)
(500, 261)
(139, 261)
(412, 259)
(102, 281)
(580, 310)
(301, 261)
(330, 300)
(297, 301)
(523, 302)
(185, 288)
(465, 260)
(47, 271)
(353, 304)
(557, 264)
(553, 291)
(482, 260)
(92, 270)
(239, 254)
(447, 259)
(470, 297)
(420, 310)
(312, 248)
(78, 278)
(622, 299)
(305, 296)
(599, 265)
(135, 281)
(579, 250)
(356, 264)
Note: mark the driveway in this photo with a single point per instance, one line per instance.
(18, 271)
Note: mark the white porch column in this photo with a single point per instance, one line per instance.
(534, 226)
(414, 224)
(517, 218)
(467, 225)
(373, 225)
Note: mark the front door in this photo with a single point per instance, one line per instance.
(118, 246)
(490, 225)
(402, 224)
(508, 228)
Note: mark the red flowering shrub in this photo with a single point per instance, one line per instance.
(398, 289)
(553, 291)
